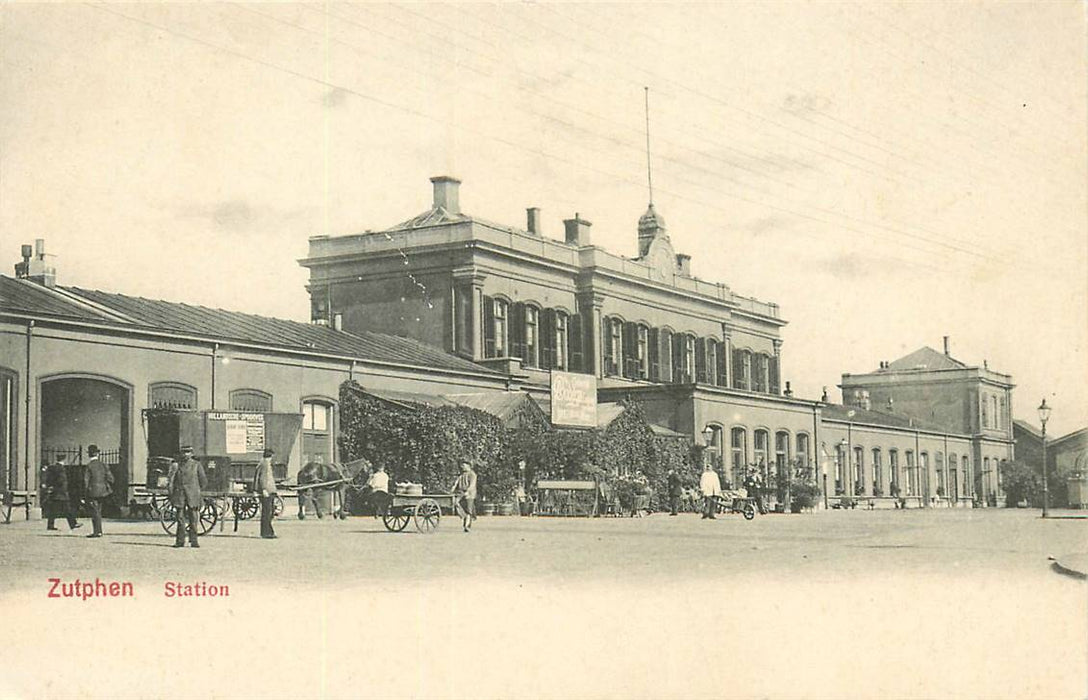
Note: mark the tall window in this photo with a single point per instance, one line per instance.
(664, 360)
(9, 472)
(942, 486)
(760, 450)
(893, 469)
(250, 400)
(878, 482)
(912, 475)
(531, 358)
(859, 470)
(840, 469)
(782, 453)
(759, 371)
(739, 443)
(642, 351)
(495, 327)
(561, 338)
(172, 395)
(317, 423)
(689, 357)
(996, 414)
(985, 411)
(738, 369)
(462, 309)
(953, 477)
(804, 459)
(716, 447)
(968, 477)
(923, 473)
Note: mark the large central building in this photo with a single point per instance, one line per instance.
(518, 301)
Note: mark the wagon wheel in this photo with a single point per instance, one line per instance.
(396, 519)
(245, 507)
(157, 503)
(208, 516)
(427, 514)
(277, 507)
(749, 511)
(168, 517)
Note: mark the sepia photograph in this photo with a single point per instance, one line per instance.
(544, 350)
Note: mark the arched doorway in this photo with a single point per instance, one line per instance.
(77, 411)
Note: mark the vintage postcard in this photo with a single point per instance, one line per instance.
(543, 350)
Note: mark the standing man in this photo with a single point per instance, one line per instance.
(264, 484)
(712, 489)
(674, 492)
(464, 495)
(309, 474)
(57, 501)
(98, 483)
(186, 482)
(378, 483)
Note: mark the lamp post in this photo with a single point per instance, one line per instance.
(1044, 416)
(823, 470)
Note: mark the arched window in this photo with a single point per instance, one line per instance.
(760, 451)
(968, 477)
(664, 360)
(942, 485)
(912, 474)
(893, 471)
(496, 312)
(250, 400)
(840, 468)
(739, 449)
(642, 352)
(9, 406)
(782, 454)
(859, 470)
(715, 447)
(953, 477)
(531, 350)
(804, 457)
(175, 395)
(923, 475)
(878, 476)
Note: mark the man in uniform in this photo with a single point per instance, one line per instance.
(185, 483)
(98, 483)
(57, 503)
(264, 484)
(464, 495)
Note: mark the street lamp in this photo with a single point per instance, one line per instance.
(823, 470)
(1044, 416)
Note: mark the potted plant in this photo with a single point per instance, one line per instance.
(805, 494)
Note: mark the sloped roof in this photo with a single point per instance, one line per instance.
(926, 358)
(432, 217)
(504, 404)
(860, 415)
(26, 297)
(23, 296)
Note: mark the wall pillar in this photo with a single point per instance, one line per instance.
(727, 350)
(469, 281)
(589, 307)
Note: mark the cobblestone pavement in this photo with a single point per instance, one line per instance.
(840, 604)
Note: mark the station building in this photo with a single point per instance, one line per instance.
(704, 359)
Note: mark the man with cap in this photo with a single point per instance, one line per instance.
(56, 502)
(264, 484)
(185, 482)
(464, 495)
(98, 485)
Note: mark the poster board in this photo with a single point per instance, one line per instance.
(573, 400)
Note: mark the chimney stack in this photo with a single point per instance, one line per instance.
(445, 193)
(40, 268)
(532, 220)
(946, 345)
(577, 230)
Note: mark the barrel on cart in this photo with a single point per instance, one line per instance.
(422, 510)
(229, 444)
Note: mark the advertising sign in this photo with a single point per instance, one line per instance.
(244, 431)
(574, 400)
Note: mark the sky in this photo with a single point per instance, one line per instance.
(887, 173)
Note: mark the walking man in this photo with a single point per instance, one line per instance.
(674, 492)
(98, 483)
(464, 495)
(57, 501)
(185, 483)
(712, 489)
(264, 483)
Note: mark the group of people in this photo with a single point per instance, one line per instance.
(62, 499)
(711, 488)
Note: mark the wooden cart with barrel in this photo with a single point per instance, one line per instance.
(230, 445)
(422, 510)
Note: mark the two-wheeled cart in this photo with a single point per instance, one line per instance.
(423, 510)
(734, 502)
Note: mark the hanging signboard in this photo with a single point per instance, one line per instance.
(574, 400)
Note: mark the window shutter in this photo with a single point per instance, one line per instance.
(574, 343)
(700, 360)
(678, 358)
(630, 350)
(738, 369)
(653, 348)
(773, 361)
(489, 327)
(721, 360)
(517, 330)
(664, 363)
(547, 339)
(606, 343)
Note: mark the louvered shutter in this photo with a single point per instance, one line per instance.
(517, 330)
(678, 358)
(575, 351)
(653, 347)
(547, 339)
(489, 327)
(773, 363)
(664, 361)
(700, 360)
(738, 369)
(630, 350)
(721, 359)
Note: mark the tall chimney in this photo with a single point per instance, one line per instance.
(445, 193)
(41, 268)
(577, 230)
(532, 220)
(946, 345)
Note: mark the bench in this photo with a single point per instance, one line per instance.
(15, 499)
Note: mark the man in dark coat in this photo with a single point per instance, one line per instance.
(57, 503)
(185, 482)
(98, 484)
(675, 489)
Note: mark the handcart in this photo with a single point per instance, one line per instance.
(424, 510)
(732, 502)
